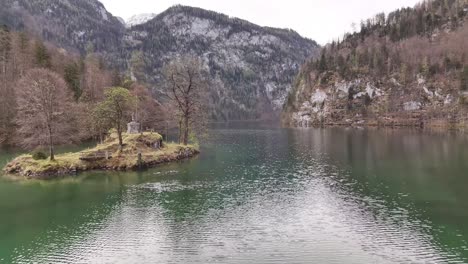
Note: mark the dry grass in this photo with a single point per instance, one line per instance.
(120, 159)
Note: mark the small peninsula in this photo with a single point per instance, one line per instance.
(143, 150)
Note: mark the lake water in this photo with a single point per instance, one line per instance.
(255, 196)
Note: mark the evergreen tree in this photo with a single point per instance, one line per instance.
(42, 56)
(322, 65)
(72, 76)
(5, 48)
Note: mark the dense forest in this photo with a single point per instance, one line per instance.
(413, 59)
(79, 84)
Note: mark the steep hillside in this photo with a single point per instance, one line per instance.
(409, 68)
(253, 67)
(71, 24)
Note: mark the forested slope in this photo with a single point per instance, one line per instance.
(409, 67)
(85, 79)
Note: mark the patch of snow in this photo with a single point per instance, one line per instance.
(264, 40)
(104, 13)
(201, 26)
(239, 39)
(139, 19)
(80, 33)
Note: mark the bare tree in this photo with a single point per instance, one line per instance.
(45, 112)
(95, 79)
(186, 86)
(148, 112)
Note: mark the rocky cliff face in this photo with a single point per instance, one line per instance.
(252, 67)
(386, 102)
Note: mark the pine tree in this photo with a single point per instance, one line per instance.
(322, 66)
(43, 58)
(72, 76)
(5, 48)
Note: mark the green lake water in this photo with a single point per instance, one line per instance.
(255, 196)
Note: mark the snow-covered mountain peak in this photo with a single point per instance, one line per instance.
(139, 19)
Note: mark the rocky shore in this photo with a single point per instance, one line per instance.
(365, 103)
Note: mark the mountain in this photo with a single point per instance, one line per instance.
(139, 19)
(71, 24)
(252, 66)
(409, 68)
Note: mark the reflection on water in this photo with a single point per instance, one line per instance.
(256, 196)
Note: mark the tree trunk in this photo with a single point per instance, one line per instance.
(119, 133)
(51, 152)
(186, 130)
(180, 131)
(51, 144)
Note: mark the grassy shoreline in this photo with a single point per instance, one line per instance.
(139, 151)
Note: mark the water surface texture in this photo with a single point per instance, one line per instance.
(255, 196)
